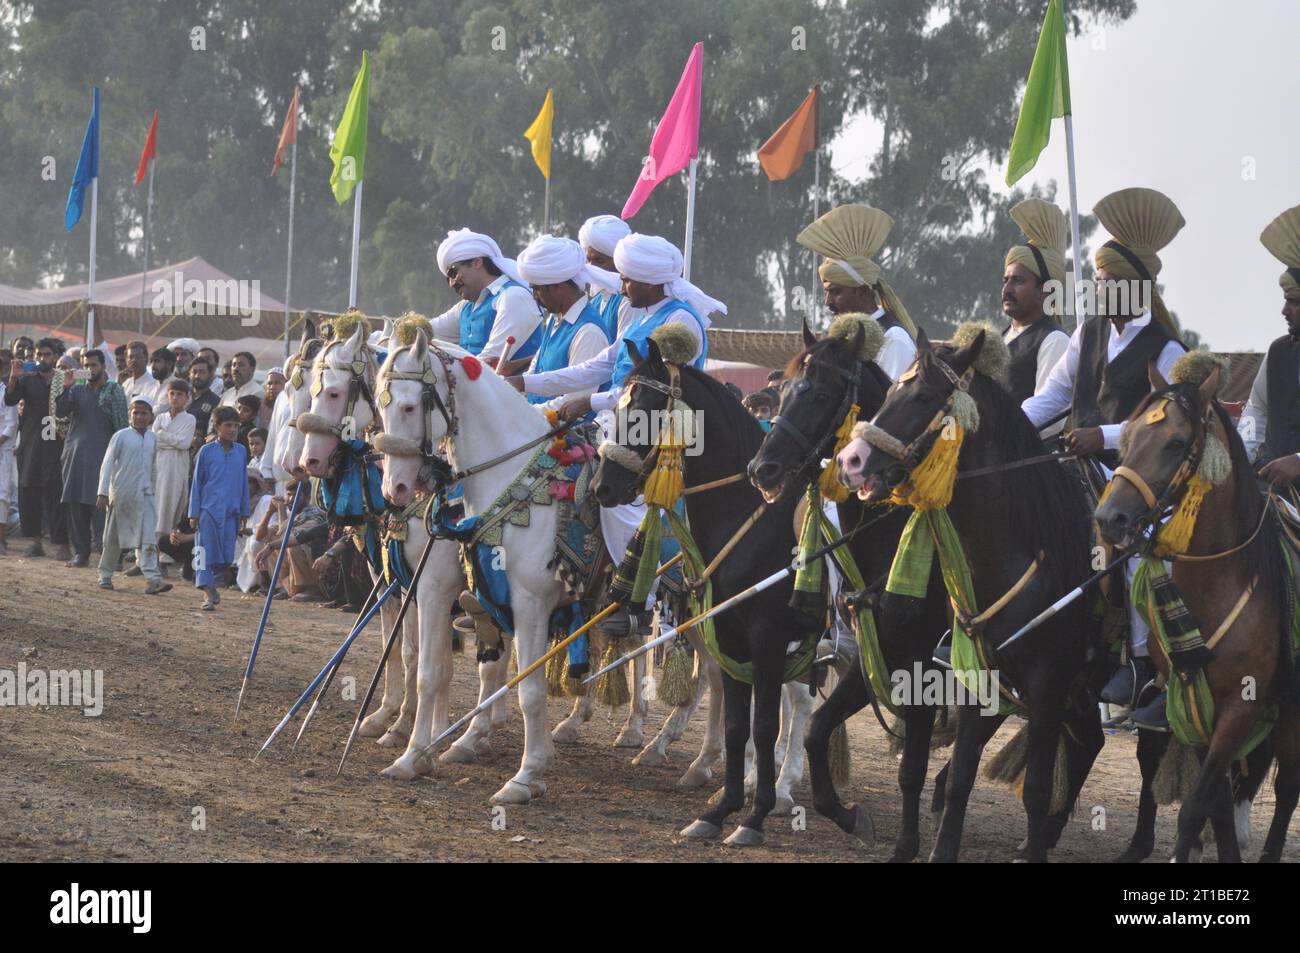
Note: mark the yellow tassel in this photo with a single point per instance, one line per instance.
(1176, 535)
(930, 484)
(676, 680)
(555, 675)
(664, 486)
(831, 487)
(611, 688)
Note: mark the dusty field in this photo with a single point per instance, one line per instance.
(125, 785)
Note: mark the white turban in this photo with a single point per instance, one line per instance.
(185, 344)
(656, 261)
(603, 233)
(549, 260)
(462, 245)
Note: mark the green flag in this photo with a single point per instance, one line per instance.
(1047, 95)
(349, 149)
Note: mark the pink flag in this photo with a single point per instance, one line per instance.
(677, 137)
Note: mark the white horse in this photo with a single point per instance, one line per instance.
(308, 450)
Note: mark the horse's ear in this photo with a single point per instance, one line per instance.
(357, 341)
(419, 346)
(652, 354)
(1210, 386)
(633, 353)
(387, 333)
(964, 358)
(308, 332)
(922, 341)
(809, 339)
(1158, 382)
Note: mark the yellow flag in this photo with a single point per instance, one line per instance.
(539, 134)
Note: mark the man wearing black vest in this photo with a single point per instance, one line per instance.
(1270, 423)
(1103, 376)
(1034, 338)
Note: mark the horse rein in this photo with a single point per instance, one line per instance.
(813, 452)
(909, 455)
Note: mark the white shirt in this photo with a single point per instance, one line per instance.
(898, 353)
(1050, 350)
(595, 371)
(8, 425)
(230, 398)
(588, 341)
(1253, 425)
(148, 387)
(270, 468)
(1057, 395)
(517, 317)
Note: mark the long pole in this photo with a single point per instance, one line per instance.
(288, 266)
(356, 244)
(1074, 220)
(817, 211)
(144, 275)
(90, 294)
(546, 208)
(690, 223)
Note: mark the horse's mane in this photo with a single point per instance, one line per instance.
(832, 350)
(1040, 507)
(1264, 551)
(749, 433)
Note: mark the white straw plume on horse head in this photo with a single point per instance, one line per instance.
(994, 357)
(846, 327)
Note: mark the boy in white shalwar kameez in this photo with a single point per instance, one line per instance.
(174, 433)
(126, 491)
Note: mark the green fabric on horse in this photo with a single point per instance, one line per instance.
(809, 577)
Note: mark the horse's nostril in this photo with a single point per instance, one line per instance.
(854, 462)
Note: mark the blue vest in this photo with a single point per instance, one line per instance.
(476, 322)
(608, 304)
(639, 332)
(557, 337)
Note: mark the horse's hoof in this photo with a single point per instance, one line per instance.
(782, 807)
(374, 725)
(565, 733)
(393, 739)
(629, 739)
(458, 754)
(400, 770)
(744, 837)
(651, 757)
(695, 777)
(864, 829)
(512, 792)
(1134, 855)
(483, 747)
(701, 830)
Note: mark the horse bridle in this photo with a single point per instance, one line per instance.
(358, 386)
(815, 451)
(910, 454)
(673, 389)
(1177, 483)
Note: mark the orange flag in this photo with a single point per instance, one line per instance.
(782, 155)
(289, 134)
(150, 149)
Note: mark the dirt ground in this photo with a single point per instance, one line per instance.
(165, 773)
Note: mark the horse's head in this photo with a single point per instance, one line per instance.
(1163, 445)
(297, 391)
(411, 387)
(822, 387)
(647, 393)
(912, 417)
(341, 395)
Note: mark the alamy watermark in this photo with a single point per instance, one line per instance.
(639, 428)
(936, 687)
(1112, 297)
(65, 688)
(211, 298)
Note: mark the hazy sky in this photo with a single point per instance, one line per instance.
(1196, 98)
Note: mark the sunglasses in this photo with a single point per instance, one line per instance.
(454, 270)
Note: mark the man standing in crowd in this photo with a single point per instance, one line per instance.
(139, 381)
(203, 400)
(214, 362)
(8, 434)
(242, 367)
(126, 495)
(275, 381)
(174, 433)
(218, 503)
(185, 351)
(40, 480)
(96, 409)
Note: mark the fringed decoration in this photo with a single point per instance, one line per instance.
(677, 678)
(555, 675)
(1009, 764)
(931, 483)
(1177, 774)
(611, 688)
(1176, 535)
(807, 596)
(830, 484)
(838, 756)
(664, 486)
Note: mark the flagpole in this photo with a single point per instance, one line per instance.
(90, 295)
(690, 222)
(356, 243)
(1074, 219)
(288, 266)
(817, 195)
(546, 208)
(144, 275)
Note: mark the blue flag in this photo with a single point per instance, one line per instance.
(87, 168)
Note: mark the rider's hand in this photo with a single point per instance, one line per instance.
(575, 408)
(1085, 441)
(1282, 471)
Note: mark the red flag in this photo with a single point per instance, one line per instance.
(150, 149)
(289, 134)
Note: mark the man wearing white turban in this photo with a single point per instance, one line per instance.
(185, 349)
(573, 330)
(599, 236)
(497, 305)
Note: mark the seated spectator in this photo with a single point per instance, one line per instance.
(307, 535)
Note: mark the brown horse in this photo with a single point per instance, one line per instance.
(1234, 549)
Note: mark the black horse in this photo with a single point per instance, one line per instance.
(1005, 521)
(758, 630)
(823, 383)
